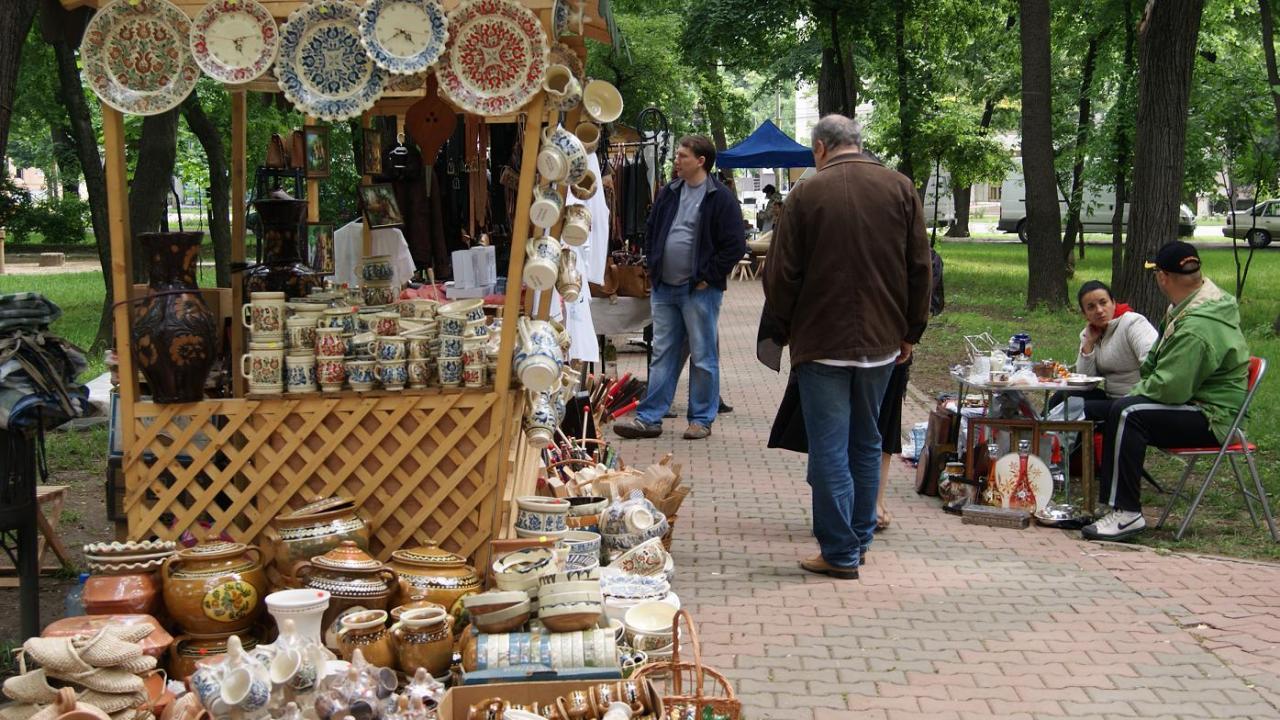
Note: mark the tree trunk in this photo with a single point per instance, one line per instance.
(152, 180)
(1166, 57)
(834, 86)
(1269, 50)
(964, 195)
(1046, 279)
(219, 184)
(85, 144)
(68, 164)
(1084, 121)
(906, 111)
(1123, 150)
(16, 15)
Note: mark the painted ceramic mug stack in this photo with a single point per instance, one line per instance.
(376, 275)
(263, 365)
(300, 346)
(462, 327)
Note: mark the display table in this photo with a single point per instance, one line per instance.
(623, 316)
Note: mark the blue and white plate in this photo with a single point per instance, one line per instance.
(404, 37)
(323, 69)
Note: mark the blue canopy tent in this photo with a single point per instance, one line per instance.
(767, 147)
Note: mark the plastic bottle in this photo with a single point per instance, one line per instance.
(75, 598)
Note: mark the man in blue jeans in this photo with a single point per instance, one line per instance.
(695, 235)
(848, 281)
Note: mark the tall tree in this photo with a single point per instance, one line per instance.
(1046, 275)
(1122, 143)
(15, 20)
(907, 95)
(1269, 51)
(1084, 122)
(219, 184)
(152, 183)
(1167, 37)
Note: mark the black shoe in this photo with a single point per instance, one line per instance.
(633, 429)
(670, 415)
(725, 408)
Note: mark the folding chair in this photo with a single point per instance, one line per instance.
(1233, 445)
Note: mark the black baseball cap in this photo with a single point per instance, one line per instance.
(1175, 257)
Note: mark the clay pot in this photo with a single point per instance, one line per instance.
(188, 650)
(435, 574)
(355, 582)
(415, 603)
(282, 268)
(367, 632)
(113, 594)
(423, 639)
(174, 335)
(156, 644)
(215, 587)
(315, 529)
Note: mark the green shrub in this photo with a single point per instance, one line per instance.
(59, 220)
(13, 201)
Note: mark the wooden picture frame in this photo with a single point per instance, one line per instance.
(371, 152)
(320, 247)
(316, 140)
(378, 202)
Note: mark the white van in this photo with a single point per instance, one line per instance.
(946, 205)
(1095, 213)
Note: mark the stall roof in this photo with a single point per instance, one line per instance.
(767, 147)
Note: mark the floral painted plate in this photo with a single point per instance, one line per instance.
(496, 58)
(404, 37)
(323, 69)
(234, 41)
(136, 56)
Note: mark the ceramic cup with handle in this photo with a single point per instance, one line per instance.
(577, 225)
(585, 187)
(547, 206)
(263, 367)
(562, 157)
(390, 347)
(331, 373)
(602, 101)
(300, 332)
(419, 373)
(569, 280)
(330, 342)
(589, 135)
(300, 372)
(541, 264)
(539, 357)
(450, 369)
(264, 315)
(540, 418)
(360, 373)
(563, 90)
(386, 323)
(242, 688)
(393, 374)
(377, 268)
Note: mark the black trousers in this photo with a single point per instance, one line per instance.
(1133, 423)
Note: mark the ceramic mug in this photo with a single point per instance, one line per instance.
(264, 315)
(393, 374)
(419, 373)
(602, 101)
(421, 308)
(339, 317)
(330, 342)
(585, 187)
(367, 631)
(360, 373)
(331, 373)
(300, 372)
(300, 332)
(569, 280)
(474, 354)
(376, 269)
(541, 265)
(539, 418)
(417, 346)
(453, 324)
(379, 294)
(563, 90)
(451, 346)
(473, 376)
(562, 157)
(389, 348)
(539, 357)
(263, 367)
(243, 689)
(589, 134)
(547, 206)
(450, 371)
(577, 225)
(386, 323)
(475, 330)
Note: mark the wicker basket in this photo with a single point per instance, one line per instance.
(671, 528)
(681, 683)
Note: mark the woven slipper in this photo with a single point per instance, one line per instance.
(105, 650)
(19, 711)
(113, 703)
(130, 633)
(57, 656)
(32, 687)
(133, 714)
(104, 680)
(138, 665)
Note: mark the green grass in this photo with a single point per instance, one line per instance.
(986, 291)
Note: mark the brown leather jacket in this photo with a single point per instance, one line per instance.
(849, 272)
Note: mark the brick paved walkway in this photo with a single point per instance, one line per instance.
(948, 620)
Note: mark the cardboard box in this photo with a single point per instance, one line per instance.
(458, 701)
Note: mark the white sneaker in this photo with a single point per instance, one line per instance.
(1116, 525)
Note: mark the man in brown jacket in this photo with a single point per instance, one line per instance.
(848, 279)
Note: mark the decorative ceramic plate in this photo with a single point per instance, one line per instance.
(136, 56)
(1037, 472)
(496, 58)
(404, 36)
(234, 41)
(562, 54)
(323, 69)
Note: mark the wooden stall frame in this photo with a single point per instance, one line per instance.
(231, 465)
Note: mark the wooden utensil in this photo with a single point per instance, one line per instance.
(430, 122)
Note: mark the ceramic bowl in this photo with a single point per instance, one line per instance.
(505, 620)
(633, 587)
(538, 515)
(647, 558)
(571, 618)
(602, 101)
(570, 576)
(470, 309)
(493, 601)
(650, 618)
(549, 597)
(570, 586)
(587, 505)
(581, 542)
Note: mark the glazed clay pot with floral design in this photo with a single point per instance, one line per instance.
(214, 587)
(436, 575)
(315, 529)
(174, 335)
(190, 651)
(356, 582)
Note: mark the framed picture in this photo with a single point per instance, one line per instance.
(320, 246)
(380, 208)
(317, 141)
(371, 157)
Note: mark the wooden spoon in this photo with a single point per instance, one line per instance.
(430, 122)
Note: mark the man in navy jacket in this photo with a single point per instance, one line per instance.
(696, 236)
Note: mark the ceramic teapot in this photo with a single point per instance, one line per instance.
(214, 587)
(434, 574)
(355, 581)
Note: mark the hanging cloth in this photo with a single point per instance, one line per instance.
(595, 252)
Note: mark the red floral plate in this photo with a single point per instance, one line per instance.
(136, 56)
(496, 57)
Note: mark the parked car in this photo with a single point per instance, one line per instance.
(1256, 225)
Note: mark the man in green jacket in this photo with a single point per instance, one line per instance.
(1192, 387)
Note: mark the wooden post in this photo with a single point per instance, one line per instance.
(1, 251)
(239, 128)
(121, 272)
(313, 184)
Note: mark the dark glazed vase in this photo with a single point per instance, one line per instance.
(282, 268)
(174, 334)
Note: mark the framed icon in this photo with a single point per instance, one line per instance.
(317, 142)
(320, 245)
(380, 207)
(371, 155)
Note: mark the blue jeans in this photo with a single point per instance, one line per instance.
(841, 406)
(682, 313)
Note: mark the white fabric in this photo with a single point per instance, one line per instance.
(348, 244)
(596, 250)
(576, 318)
(1119, 353)
(866, 361)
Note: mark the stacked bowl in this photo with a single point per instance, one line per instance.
(569, 602)
(539, 516)
(498, 611)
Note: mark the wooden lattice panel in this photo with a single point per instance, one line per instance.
(422, 467)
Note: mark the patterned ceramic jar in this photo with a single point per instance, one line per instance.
(361, 374)
(215, 587)
(263, 367)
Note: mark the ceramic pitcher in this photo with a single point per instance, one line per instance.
(423, 639)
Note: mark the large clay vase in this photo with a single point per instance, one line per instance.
(282, 268)
(214, 587)
(174, 335)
